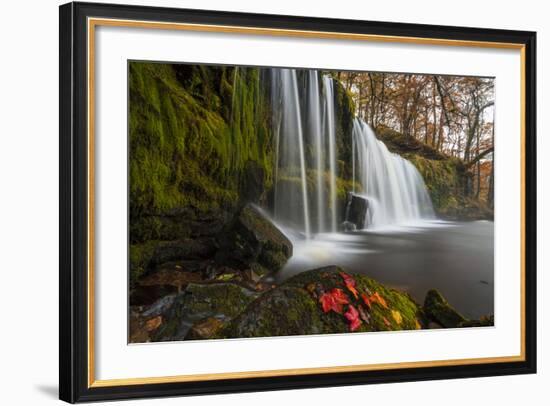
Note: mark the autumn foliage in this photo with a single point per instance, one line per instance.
(354, 308)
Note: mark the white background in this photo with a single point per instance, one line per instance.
(115, 359)
(28, 208)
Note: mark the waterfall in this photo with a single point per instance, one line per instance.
(291, 197)
(316, 137)
(394, 188)
(331, 133)
(306, 172)
(305, 145)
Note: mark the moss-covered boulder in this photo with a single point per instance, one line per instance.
(226, 299)
(253, 241)
(323, 301)
(201, 301)
(440, 311)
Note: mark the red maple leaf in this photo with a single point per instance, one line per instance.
(350, 283)
(353, 317)
(333, 300)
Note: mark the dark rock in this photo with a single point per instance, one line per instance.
(253, 241)
(439, 310)
(348, 226)
(356, 211)
(147, 295)
(188, 249)
(485, 321)
(160, 307)
(171, 277)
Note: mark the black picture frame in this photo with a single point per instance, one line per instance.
(74, 199)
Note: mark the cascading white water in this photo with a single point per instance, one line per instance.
(316, 138)
(305, 190)
(291, 197)
(394, 188)
(311, 105)
(331, 135)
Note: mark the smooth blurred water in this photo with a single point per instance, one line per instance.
(393, 186)
(455, 258)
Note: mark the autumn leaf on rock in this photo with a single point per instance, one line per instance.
(333, 300)
(353, 317)
(397, 316)
(366, 300)
(350, 283)
(376, 298)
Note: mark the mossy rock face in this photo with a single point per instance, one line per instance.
(202, 301)
(227, 299)
(189, 248)
(140, 259)
(446, 177)
(295, 308)
(253, 241)
(439, 310)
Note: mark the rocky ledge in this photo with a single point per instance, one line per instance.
(327, 300)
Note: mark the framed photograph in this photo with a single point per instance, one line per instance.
(256, 202)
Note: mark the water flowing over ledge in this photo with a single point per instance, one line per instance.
(306, 163)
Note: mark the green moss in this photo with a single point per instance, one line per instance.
(294, 308)
(193, 132)
(442, 179)
(140, 257)
(439, 310)
(345, 113)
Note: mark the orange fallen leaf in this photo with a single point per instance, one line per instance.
(366, 300)
(386, 322)
(350, 283)
(153, 324)
(376, 298)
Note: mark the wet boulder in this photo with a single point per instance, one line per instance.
(200, 301)
(348, 226)
(252, 241)
(356, 211)
(438, 310)
(225, 299)
(324, 301)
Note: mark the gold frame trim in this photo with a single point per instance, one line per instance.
(94, 22)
